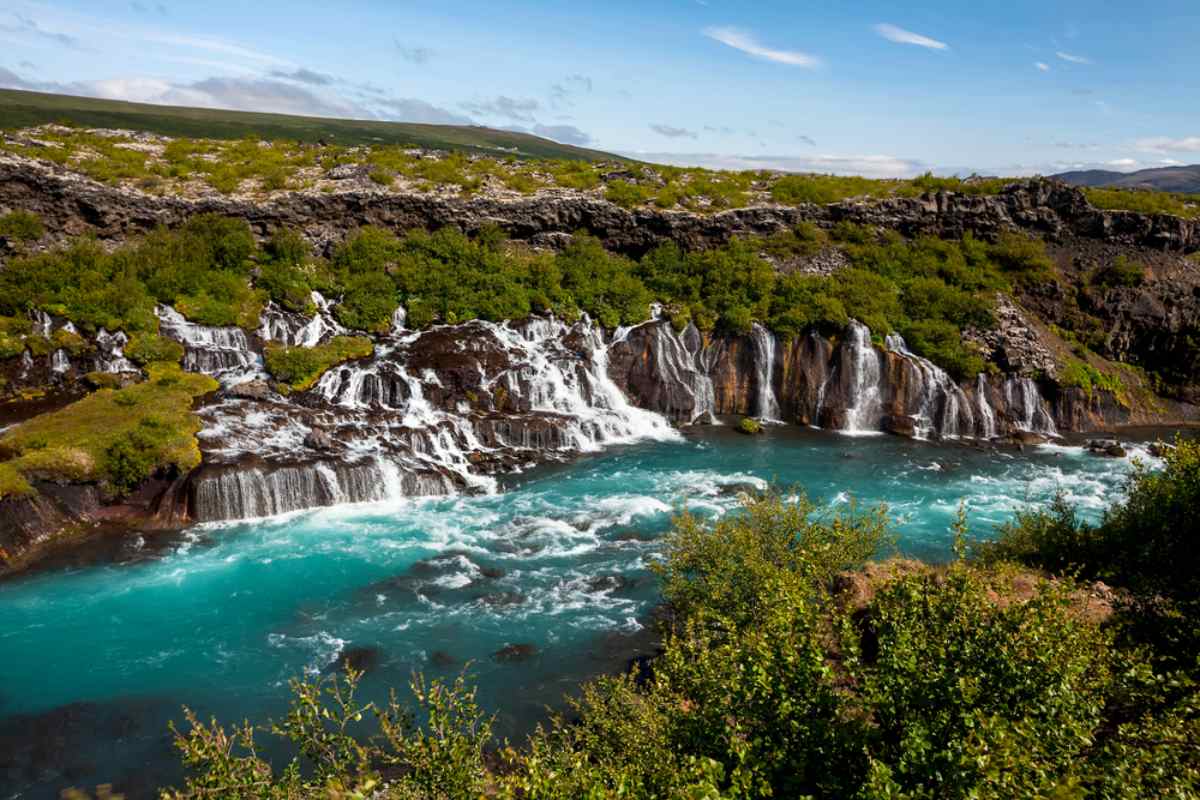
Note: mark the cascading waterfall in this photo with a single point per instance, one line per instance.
(987, 417)
(1027, 410)
(863, 400)
(59, 363)
(766, 405)
(111, 356)
(221, 352)
(297, 330)
(943, 408)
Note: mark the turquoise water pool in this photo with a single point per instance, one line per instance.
(97, 657)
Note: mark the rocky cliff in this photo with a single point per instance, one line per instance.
(449, 408)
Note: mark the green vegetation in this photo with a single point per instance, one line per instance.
(20, 109)
(749, 425)
(788, 672)
(1144, 202)
(1120, 273)
(214, 273)
(21, 226)
(300, 367)
(203, 269)
(824, 189)
(145, 348)
(1087, 377)
(119, 436)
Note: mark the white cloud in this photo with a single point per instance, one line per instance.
(896, 34)
(1042, 66)
(744, 41)
(567, 134)
(1122, 163)
(1074, 59)
(871, 166)
(1165, 144)
(519, 109)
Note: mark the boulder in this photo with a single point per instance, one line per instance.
(513, 653)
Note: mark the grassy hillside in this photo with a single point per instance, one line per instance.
(24, 109)
(1178, 180)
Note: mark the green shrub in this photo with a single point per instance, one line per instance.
(1144, 201)
(144, 348)
(627, 194)
(21, 226)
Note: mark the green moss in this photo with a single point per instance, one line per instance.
(12, 482)
(627, 194)
(1083, 375)
(78, 442)
(300, 367)
(749, 425)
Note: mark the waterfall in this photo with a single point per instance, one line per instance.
(766, 406)
(863, 403)
(111, 356)
(987, 416)
(222, 352)
(245, 493)
(297, 330)
(942, 405)
(1026, 409)
(59, 363)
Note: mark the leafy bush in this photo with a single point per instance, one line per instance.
(749, 425)
(627, 194)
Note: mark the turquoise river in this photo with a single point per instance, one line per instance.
(99, 653)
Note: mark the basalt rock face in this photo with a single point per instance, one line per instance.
(70, 205)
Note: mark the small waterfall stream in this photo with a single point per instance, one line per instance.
(862, 402)
(766, 406)
(223, 353)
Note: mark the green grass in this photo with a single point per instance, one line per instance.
(119, 436)
(20, 109)
(300, 367)
(1144, 202)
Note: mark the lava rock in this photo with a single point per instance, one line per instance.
(250, 390)
(360, 659)
(319, 439)
(514, 653)
(442, 660)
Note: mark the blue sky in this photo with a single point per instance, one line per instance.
(869, 88)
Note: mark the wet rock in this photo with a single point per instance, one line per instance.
(497, 599)
(250, 390)
(319, 439)
(735, 489)
(1106, 447)
(514, 653)
(900, 425)
(442, 660)
(1160, 449)
(360, 659)
(1028, 437)
(492, 573)
(608, 583)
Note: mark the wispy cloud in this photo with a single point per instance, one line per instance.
(30, 27)
(413, 55)
(304, 75)
(1042, 66)
(747, 43)
(1074, 59)
(808, 140)
(563, 93)
(519, 109)
(872, 166)
(897, 34)
(1167, 144)
(671, 132)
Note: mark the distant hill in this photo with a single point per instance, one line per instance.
(1181, 180)
(19, 109)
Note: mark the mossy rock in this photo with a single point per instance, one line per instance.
(750, 426)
